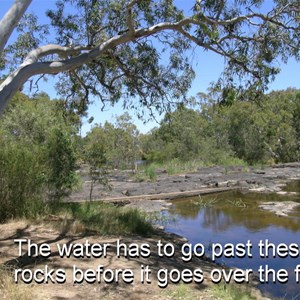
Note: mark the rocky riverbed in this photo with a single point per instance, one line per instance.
(127, 188)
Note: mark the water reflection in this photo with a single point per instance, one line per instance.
(224, 210)
(293, 186)
(234, 217)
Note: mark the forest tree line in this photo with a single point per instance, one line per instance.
(243, 132)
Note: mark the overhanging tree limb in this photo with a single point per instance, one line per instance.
(250, 40)
(32, 67)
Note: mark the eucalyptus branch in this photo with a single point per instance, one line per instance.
(94, 34)
(50, 49)
(134, 76)
(219, 34)
(102, 79)
(130, 21)
(85, 87)
(10, 21)
(37, 81)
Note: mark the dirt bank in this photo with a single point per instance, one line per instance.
(41, 233)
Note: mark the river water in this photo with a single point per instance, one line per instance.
(234, 217)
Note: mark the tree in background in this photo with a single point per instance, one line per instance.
(185, 134)
(113, 144)
(95, 154)
(282, 124)
(112, 49)
(125, 140)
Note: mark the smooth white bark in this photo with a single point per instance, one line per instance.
(11, 19)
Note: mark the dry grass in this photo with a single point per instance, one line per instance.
(64, 224)
(9, 290)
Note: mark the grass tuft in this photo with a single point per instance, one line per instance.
(9, 290)
(231, 292)
(104, 218)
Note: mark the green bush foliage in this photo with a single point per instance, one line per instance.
(21, 181)
(37, 158)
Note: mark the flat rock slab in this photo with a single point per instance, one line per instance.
(149, 205)
(128, 186)
(281, 209)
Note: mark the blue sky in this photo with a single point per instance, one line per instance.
(208, 67)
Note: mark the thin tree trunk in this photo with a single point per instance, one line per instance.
(91, 189)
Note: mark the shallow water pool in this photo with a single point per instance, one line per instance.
(234, 217)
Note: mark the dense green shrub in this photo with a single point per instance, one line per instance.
(21, 181)
(61, 161)
(37, 157)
